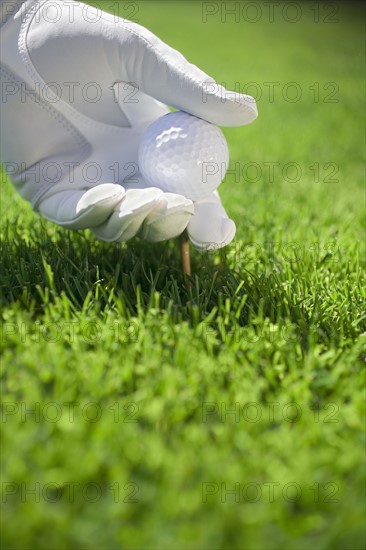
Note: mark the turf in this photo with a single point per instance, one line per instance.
(227, 414)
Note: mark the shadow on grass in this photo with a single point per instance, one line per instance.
(40, 265)
(71, 273)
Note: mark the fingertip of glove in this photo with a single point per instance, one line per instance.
(173, 200)
(109, 193)
(221, 236)
(169, 219)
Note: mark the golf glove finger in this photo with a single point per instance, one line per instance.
(147, 213)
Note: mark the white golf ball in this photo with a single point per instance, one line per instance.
(180, 153)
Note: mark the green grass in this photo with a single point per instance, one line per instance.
(273, 328)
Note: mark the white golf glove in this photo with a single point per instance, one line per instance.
(79, 88)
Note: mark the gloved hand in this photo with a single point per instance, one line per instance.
(79, 88)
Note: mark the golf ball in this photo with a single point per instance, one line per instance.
(180, 153)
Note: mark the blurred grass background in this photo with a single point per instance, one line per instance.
(161, 363)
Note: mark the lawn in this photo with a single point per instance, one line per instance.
(140, 412)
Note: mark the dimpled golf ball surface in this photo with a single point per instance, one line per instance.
(180, 153)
